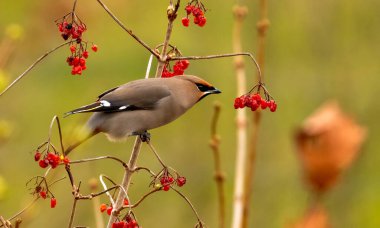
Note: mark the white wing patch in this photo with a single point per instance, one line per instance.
(122, 107)
(105, 103)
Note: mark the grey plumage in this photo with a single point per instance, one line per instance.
(141, 105)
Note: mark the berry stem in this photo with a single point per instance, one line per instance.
(190, 204)
(156, 154)
(32, 66)
(221, 56)
(126, 29)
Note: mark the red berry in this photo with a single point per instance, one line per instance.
(126, 203)
(119, 225)
(109, 210)
(189, 9)
(85, 54)
(272, 106)
(185, 64)
(43, 194)
(263, 104)
(185, 21)
(256, 97)
(181, 181)
(43, 163)
(197, 12)
(73, 48)
(202, 21)
(254, 105)
(37, 156)
(94, 47)
(66, 160)
(103, 207)
(166, 188)
(53, 202)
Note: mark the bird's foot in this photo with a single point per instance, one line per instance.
(145, 136)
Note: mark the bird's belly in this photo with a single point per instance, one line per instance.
(118, 126)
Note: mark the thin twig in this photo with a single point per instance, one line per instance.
(219, 175)
(189, 202)
(55, 118)
(241, 121)
(99, 158)
(156, 154)
(72, 213)
(18, 222)
(127, 30)
(23, 210)
(32, 66)
(238, 53)
(262, 27)
(93, 195)
(3, 222)
(141, 199)
(172, 14)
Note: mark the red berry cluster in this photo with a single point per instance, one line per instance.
(45, 194)
(167, 180)
(255, 101)
(51, 159)
(197, 10)
(178, 69)
(74, 30)
(108, 208)
(78, 57)
(126, 224)
(53, 200)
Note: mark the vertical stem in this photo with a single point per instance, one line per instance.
(219, 175)
(241, 121)
(262, 27)
(73, 213)
(126, 180)
(172, 14)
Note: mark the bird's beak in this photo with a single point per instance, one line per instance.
(215, 91)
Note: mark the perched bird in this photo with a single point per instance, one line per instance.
(141, 105)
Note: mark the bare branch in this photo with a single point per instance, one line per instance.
(190, 204)
(127, 30)
(99, 158)
(220, 56)
(32, 66)
(126, 179)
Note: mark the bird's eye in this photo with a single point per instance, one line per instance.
(203, 88)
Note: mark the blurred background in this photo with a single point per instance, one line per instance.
(316, 51)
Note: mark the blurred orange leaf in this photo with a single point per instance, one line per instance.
(328, 142)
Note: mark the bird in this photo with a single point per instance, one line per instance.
(141, 105)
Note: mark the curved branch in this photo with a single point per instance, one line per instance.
(127, 30)
(32, 66)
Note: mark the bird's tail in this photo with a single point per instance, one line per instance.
(81, 140)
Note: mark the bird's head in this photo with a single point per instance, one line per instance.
(202, 87)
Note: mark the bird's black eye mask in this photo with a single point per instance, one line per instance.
(204, 88)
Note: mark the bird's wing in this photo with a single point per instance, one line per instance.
(128, 97)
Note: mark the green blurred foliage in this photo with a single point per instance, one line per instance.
(316, 50)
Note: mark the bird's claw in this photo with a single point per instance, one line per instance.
(145, 136)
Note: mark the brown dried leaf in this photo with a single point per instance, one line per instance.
(328, 142)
